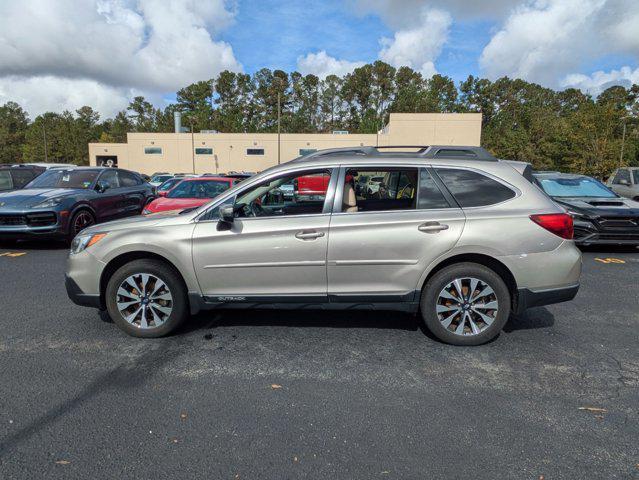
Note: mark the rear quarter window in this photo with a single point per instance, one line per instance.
(472, 189)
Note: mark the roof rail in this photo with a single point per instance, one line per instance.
(424, 151)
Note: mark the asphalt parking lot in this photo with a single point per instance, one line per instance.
(244, 395)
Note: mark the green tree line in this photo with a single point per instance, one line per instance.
(564, 130)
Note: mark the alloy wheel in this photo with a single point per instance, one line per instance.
(144, 300)
(82, 221)
(467, 306)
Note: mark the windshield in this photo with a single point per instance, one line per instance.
(199, 189)
(58, 178)
(575, 187)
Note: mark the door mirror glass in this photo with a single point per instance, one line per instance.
(227, 214)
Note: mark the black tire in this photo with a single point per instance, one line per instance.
(168, 275)
(75, 219)
(436, 284)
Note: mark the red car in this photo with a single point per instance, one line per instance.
(189, 193)
(311, 187)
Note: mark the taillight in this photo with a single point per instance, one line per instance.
(558, 223)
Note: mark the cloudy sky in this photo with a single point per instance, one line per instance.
(62, 54)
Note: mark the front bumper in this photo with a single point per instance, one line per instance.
(78, 297)
(527, 298)
(594, 233)
(30, 224)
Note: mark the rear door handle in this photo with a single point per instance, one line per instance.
(308, 235)
(432, 227)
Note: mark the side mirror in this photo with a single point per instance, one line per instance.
(227, 214)
(101, 187)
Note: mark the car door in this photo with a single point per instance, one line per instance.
(133, 192)
(107, 203)
(275, 250)
(381, 242)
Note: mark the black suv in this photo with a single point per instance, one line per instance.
(16, 176)
(62, 201)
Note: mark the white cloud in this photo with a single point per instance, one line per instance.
(599, 81)
(545, 40)
(419, 46)
(53, 94)
(323, 65)
(151, 45)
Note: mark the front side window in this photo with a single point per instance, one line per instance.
(300, 193)
(622, 174)
(199, 189)
(59, 178)
(575, 187)
(377, 189)
(472, 189)
(110, 179)
(5, 180)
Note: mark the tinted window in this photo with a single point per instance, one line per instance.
(378, 189)
(203, 151)
(5, 180)
(622, 174)
(199, 189)
(153, 150)
(635, 174)
(455, 153)
(59, 178)
(128, 179)
(255, 151)
(21, 177)
(429, 195)
(472, 189)
(301, 193)
(110, 178)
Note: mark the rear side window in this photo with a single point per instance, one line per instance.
(21, 177)
(429, 195)
(128, 179)
(375, 189)
(472, 189)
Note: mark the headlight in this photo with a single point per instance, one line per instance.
(49, 203)
(82, 242)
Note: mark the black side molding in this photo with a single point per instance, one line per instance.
(527, 298)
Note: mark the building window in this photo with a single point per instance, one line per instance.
(153, 150)
(307, 151)
(255, 151)
(204, 151)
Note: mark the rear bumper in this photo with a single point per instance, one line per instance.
(527, 298)
(78, 297)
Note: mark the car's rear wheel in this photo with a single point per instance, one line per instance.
(465, 304)
(146, 298)
(79, 221)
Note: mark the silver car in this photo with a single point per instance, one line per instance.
(463, 240)
(625, 182)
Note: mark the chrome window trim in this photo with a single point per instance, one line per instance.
(246, 185)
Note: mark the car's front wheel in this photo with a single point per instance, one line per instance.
(465, 304)
(146, 298)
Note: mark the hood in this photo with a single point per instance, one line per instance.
(127, 223)
(600, 207)
(166, 204)
(33, 196)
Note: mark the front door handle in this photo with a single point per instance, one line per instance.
(308, 235)
(432, 227)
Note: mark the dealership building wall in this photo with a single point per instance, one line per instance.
(253, 152)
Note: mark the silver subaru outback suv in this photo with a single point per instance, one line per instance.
(452, 233)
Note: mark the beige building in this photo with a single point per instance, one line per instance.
(253, 152)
